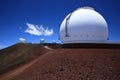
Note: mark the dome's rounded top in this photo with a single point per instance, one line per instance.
(83, 24)
(86, 7)
(42, 41)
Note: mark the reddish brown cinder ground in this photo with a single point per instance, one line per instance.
(74, 64)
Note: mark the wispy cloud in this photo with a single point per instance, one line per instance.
(38, 30)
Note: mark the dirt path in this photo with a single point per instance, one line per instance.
(11, 74)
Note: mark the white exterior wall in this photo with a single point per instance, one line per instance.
(85, 25)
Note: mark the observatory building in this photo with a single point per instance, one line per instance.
(42, 41)
(83, 25)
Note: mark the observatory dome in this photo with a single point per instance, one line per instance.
(83, 25)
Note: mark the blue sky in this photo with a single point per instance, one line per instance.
(17, 17)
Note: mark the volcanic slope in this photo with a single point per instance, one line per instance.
(75, 64)
(19, 54)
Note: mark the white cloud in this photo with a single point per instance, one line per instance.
(38, 30)
(22, 40)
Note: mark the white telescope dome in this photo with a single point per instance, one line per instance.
(83, 25)
(42, 41)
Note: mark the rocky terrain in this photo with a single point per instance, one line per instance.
(68, 64)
